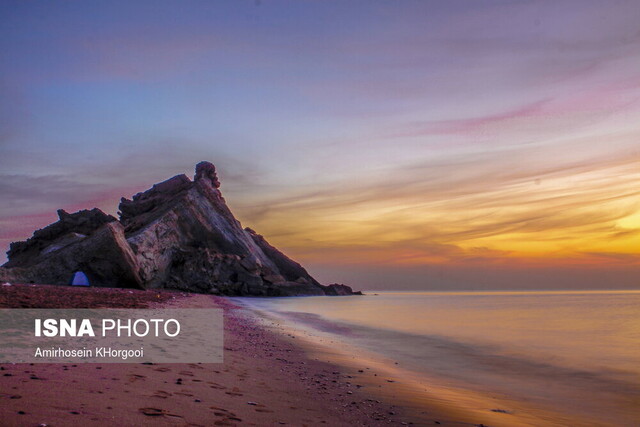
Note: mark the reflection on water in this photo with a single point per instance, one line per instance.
(574, 352)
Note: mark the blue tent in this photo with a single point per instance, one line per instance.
(80, 279)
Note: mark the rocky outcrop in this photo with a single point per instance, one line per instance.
(336, 289)
(179, 234)
(70, 228)
(104, 256)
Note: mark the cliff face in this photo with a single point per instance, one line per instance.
(179, 234)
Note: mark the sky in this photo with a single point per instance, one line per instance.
(383, 144)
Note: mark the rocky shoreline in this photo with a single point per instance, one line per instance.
(179, 234)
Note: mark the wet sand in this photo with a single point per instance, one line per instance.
(426, 399)
(267, 378)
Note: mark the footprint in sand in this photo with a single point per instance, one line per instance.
(156, 412)
(161, 394)
(216, 385)
(224, 422)
(135, 377)
(186, 373)
(222, 412)
(228, 417)
(10, 396)
(152, 412)
(182, 393)
(162, 369)
(234, 393)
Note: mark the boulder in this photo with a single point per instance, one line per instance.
(336, 289)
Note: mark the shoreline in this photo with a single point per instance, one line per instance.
(267, 378)
(425, 396)
(370, 379)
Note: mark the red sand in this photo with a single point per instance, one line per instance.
(49, 296)
(265, 380)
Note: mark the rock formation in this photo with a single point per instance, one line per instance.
(179, 234)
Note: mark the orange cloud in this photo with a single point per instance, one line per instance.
(579, 213)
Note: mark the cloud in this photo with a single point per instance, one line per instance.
(25, 194)
(435, 132)
(443, 212)
(471, 125)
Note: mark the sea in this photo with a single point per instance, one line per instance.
(525, 358)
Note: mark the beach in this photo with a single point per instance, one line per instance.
(551, 358)
(336, 361)
(267, 378)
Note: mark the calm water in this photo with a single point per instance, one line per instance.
(576, 354)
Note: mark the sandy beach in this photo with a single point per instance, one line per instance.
(267, 378)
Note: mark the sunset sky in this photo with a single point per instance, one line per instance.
(385, 144)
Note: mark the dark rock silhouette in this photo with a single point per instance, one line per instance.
(179, 234)
(70, 228)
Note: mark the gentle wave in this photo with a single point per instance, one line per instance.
(574, 352)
